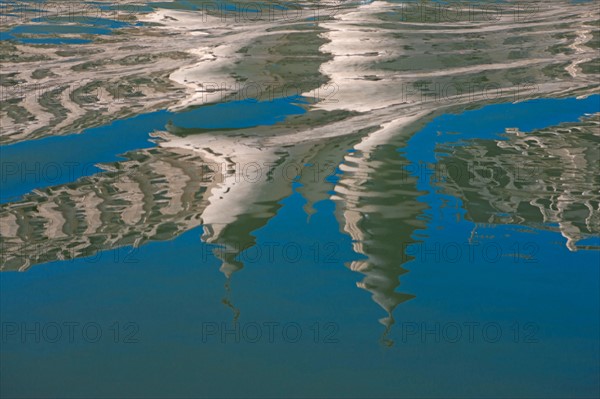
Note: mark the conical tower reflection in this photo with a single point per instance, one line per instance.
(241, 203)
(378, 208)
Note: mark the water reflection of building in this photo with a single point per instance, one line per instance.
(378, 208)
(546, 178)
(160, 193)
(154, 195)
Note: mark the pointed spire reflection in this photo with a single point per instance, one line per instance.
(378, 208)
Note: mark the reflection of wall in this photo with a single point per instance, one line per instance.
(153, 195)
(547, 177)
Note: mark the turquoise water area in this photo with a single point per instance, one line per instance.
(494, 326)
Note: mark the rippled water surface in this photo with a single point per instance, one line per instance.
(416, 258)
(292, 246)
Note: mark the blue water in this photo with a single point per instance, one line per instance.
(62, 159)
(490, 122)
(548, 345)
(52, 24)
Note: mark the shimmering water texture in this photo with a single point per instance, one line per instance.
(318, 199)
(425, 247)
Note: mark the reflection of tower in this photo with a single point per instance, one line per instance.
(227, 255)
(243, 200)
(378, 208)
(544, 178)
(232, 240)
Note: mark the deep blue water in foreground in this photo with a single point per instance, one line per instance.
(475, 327)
